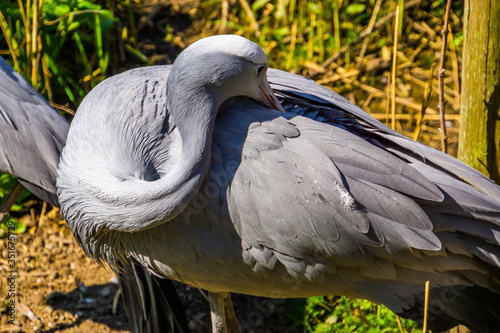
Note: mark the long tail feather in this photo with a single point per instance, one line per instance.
(152, 303)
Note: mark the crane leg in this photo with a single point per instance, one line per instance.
(231, 321)
(222, 313)
(217, 312)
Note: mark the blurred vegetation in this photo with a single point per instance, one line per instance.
(340, 314)
(66, 47)
(6, 184)
(60, 46)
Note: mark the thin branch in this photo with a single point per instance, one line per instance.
(224, 14)
(399, 324)
(387, 98)
(425, 103)
(42, 214)
(368, 31)
(444, 137)
(10, 200)
(393, 77)
(382, 116)
(426, 306)
(78, 12)
(62, 108)
(251, 17)
(6, 33)
(456, 74)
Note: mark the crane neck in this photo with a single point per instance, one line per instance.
(133, 204)
(159, 201)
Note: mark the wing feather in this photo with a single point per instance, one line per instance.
(324, 186)
(32, 135)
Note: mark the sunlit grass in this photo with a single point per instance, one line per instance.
(333, 314)
(39, 34)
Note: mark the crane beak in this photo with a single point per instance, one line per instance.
(268, 98)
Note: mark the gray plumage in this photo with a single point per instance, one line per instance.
(32, 136)
(179, 168)
(24, 115)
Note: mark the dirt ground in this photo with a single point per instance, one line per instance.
(59, 289)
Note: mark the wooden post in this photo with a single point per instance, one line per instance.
(479, 137)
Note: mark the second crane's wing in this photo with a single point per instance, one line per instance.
(32, 135)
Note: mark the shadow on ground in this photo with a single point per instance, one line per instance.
(94, 303)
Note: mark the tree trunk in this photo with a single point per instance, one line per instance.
(479, 137)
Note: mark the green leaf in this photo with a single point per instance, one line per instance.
(19, 227)
(136, 53)
(259, 4)
(355, 9)
(107, 19)
(280, 33)
(74, 26)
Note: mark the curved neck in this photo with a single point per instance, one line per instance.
(158, 201)
(131, 205)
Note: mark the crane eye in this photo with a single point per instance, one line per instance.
(259, 69)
